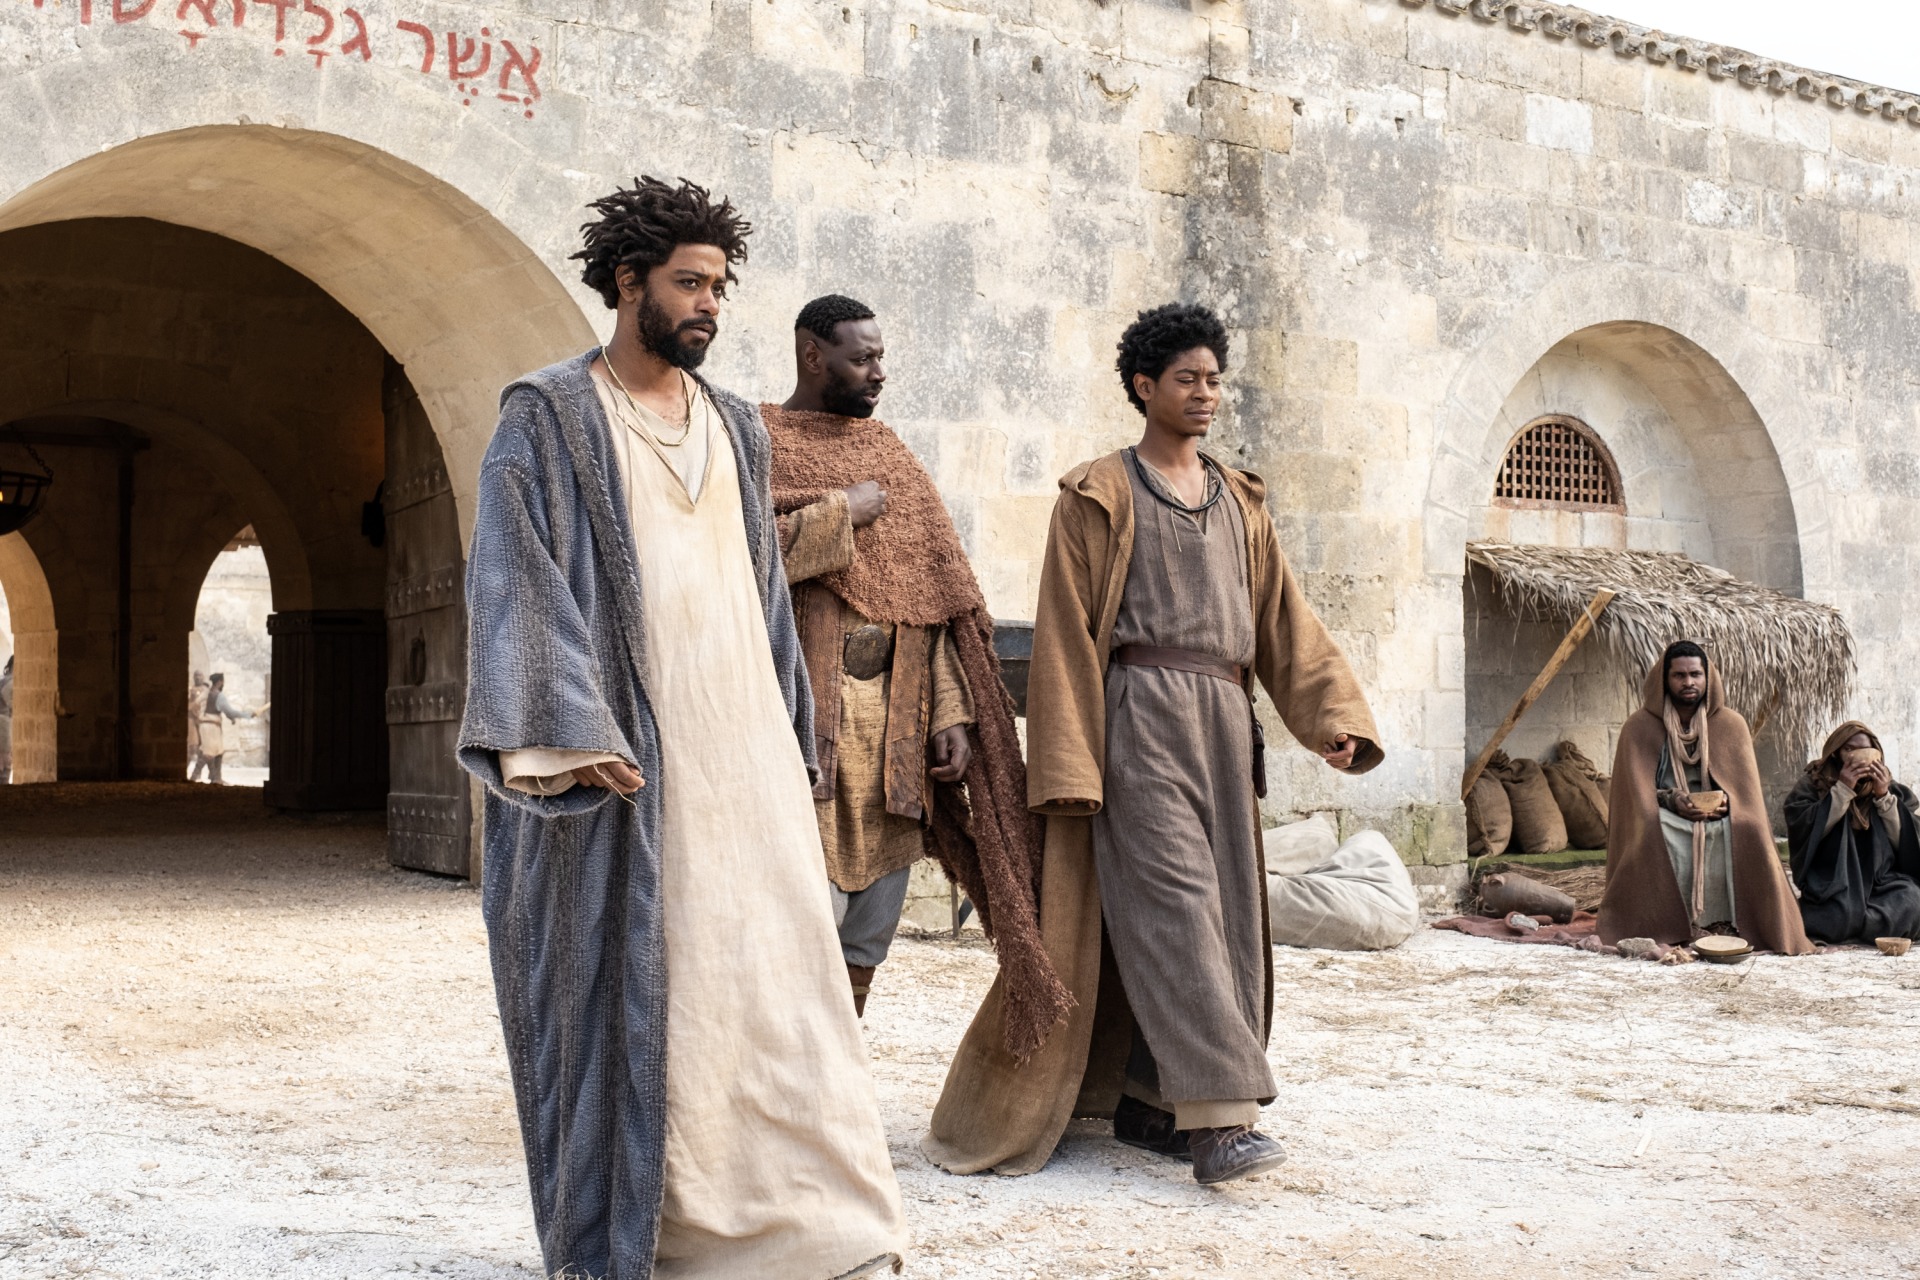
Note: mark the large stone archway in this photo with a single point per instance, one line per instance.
(420, 277)
(452, 294)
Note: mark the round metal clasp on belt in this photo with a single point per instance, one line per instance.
(868, 651)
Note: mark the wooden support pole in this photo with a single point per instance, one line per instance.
(1575, 634)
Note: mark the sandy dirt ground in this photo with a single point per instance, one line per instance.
(235, 1045)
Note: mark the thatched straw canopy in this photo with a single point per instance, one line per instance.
(1788, 662)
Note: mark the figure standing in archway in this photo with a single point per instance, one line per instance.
(210, 724)
(693, 1091)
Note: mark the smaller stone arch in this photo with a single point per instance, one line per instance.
(228, 620)
(1702, 362)
(266, 510)
(36, 663)
(1663, 430)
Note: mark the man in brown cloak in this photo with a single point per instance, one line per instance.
(1163, 591)
(1689, 846)
(898, 644)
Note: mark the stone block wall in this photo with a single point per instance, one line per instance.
(1403, 209)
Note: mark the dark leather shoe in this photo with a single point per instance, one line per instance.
(1149, 1128)
(1221, 1155)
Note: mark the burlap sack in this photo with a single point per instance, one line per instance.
(1537, 824)
(1357, 897)
(1489, 818)
(1583, 805)
(1294, 847)
(1569, 752)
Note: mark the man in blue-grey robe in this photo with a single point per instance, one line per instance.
(693, 1093)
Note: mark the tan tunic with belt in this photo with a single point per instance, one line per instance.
(776, 1161)
(861, 840)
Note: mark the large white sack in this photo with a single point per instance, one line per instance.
(1297, 846)
(1358, 897)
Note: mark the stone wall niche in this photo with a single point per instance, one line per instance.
(1671, 421)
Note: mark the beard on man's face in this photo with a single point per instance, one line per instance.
(660, 335)
(845, 398)
(1687, 697)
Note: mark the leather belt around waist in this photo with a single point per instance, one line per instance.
(867, 652)
(1205, 664)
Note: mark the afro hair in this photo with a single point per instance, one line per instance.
(640, 226)
(828, 312)
(1155, 337)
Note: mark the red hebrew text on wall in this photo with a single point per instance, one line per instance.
(478, 67)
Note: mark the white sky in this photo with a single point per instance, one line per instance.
(1873, 40)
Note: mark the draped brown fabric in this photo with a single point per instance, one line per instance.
(910, 569)
(1004, 1111)
(1643, 897)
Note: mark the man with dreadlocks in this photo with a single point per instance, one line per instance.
(1164, 591)
(899, 646)
(693, 1092)
(1689, 846)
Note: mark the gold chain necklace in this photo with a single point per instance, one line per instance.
(686, 428)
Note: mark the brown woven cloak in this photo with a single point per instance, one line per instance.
(910, 569)
(1643, 895)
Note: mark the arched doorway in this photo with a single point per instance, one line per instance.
(1658, 449)
(299, 333)
(447, 290)
(229, 647)
(36, 662)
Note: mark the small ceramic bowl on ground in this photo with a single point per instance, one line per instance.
(1722, 950)
(1894, 946)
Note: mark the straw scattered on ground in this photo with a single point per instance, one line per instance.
(237, 1046)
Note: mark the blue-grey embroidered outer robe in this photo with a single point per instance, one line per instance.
(573, 882)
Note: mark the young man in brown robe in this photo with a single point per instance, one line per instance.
(1164, 591)
(1689, 846)
(898, 646)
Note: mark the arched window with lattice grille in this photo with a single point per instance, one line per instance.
(1559, 462)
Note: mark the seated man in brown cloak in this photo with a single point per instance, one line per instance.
(1853, 836)
(1164, 592)
(1689, 847)
(898, 644)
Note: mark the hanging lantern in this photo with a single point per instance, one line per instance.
(22, 492)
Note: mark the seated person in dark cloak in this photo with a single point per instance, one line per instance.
(1853, 834)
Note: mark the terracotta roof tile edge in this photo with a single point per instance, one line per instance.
(1595, 32)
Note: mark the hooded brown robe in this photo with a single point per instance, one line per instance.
(1643, 896)
(1005, 1110)
(1856, 857)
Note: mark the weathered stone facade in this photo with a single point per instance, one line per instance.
(1425, 223)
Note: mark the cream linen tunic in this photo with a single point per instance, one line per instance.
(776, 1162)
